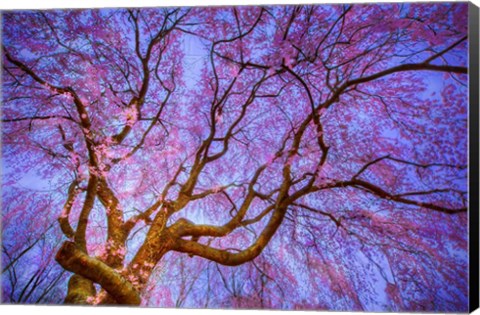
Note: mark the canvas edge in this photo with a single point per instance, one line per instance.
(473, 35)
(473, 144)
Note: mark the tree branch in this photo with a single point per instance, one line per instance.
(379, 192)
(234, 259)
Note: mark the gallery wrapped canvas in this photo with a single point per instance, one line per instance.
(293, 157)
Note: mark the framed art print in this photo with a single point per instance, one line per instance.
(284, 157)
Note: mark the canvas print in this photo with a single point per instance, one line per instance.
(298, 157)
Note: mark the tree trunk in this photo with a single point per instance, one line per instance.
(79, 290)
(73, 259)
(118, 287)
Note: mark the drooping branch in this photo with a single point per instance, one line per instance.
(408, 67)
(391, 158)
(32, 73)
(79, 105)
(47, 117)
(425, 66)
(376, 190)
(379, 192)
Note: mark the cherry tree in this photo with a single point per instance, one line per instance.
(294, 157)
